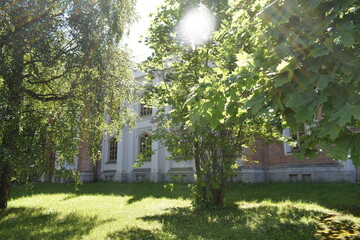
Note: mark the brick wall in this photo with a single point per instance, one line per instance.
(273, 154)
(84, 162)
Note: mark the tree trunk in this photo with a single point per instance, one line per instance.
(95, 171)
(9, 147)
(50, 158)
(9, 153)
(218, 195)
(5, 185)
(197, 158)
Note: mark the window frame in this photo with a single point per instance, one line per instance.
(142, 147)
(113, 150)
(145, 111)
(288, 149)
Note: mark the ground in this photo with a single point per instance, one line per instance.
(108, 210)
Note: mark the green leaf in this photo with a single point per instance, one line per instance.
(323, 81)
(296, 100)
(329, 43)
(283, 50)
(207, 108)
(304, 114)
(312, 4)
(356, 111)
(340, 151)
(344, 114)
(347, 39)
(256, 103)
(283, 66)
(281, 79)
(355, 156)
(355, 148)
(194, 117)
(319, 51)
(242, 59)
(331, 129)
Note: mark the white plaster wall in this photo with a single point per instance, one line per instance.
(128, 146)
(182, 164)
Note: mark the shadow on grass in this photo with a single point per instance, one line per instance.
(136, 191)
(341, 197)
(262, 222)
(251, 219)
(133, 234)
(252, 223)
(38, 223)
(332, 229)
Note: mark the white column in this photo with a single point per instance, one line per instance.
(120, 156)
(349, 169)
(155, 162)
(166, 162)
(105, 153)
(131, 151)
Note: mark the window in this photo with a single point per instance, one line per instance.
(183, 151)
(306, 177)
(183, 148)
(293, 177)
(295, 138)
(145, 111)
(113, 150)
(145, 146)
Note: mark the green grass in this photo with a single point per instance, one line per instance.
(108, 210)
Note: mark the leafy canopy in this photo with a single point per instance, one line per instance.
(61, 69)
(301, 61)
(196, 119)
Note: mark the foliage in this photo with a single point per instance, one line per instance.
(194, 118)
(301, 60)
(108, 210)
(292, 64)
(61, 68)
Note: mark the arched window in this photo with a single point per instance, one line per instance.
(113, 146)
(145, 111)
(145, 146)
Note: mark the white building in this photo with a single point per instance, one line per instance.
(119, 156)
(272, 162)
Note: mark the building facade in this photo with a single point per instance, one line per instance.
(269, 163)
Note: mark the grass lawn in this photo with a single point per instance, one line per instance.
(108, 210)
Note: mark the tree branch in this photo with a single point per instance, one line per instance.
(49, 80)
(47, 97)
(62, 52)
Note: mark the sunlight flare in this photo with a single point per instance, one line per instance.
(196, 25)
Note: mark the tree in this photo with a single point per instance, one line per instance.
(301, 59)
(61, 69)
(194, 119)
